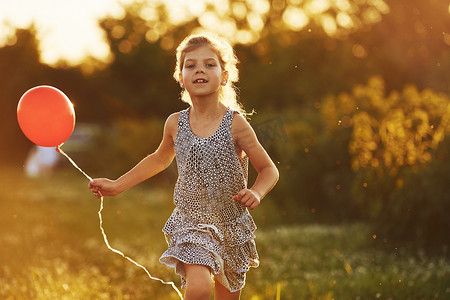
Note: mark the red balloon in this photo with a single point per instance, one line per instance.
(46, 116)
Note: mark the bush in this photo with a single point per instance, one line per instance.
(369, 156)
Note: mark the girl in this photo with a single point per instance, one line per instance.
(210, 232)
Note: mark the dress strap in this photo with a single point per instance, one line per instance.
(183, 118)
(228, 118)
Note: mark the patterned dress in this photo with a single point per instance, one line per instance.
(208, 227)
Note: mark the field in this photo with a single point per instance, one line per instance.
(52, 248)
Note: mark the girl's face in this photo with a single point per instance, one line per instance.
(202, 74)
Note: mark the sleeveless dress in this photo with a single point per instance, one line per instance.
(207, 227)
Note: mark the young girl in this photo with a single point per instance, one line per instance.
(210, 231)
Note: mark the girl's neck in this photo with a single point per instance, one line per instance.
(207, 109)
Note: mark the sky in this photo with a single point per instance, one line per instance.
(67, 29)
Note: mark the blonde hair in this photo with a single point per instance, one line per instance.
(227, 60)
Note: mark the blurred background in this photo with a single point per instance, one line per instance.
(351, 100)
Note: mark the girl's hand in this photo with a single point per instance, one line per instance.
(248, 198)
(103, 187)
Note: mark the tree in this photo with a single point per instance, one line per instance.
(20, 70)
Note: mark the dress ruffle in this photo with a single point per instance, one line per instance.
(228, 248)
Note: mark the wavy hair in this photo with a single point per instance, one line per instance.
(227, 60)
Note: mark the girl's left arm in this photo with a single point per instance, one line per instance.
(245, 140)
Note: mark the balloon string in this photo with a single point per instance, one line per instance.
(58, 148)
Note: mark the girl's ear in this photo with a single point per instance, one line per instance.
(224, 77)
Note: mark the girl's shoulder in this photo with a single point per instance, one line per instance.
(171, 125)
(176, 115)
(240, 127)
(173, 118)
(239, 121)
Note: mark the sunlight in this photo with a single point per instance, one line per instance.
(65, 29)
(118, 32)
(196, 8)
(52, 48)
(372, 15)
(317, 6)
(7, 36)
(167, 43)
(344, 20)
(239, 10)
(446, 38)
(343, 5)
(380, 5)
(209, 20)
(246, 36)
(295, 18)
(178, 11)
(149, 13)
(259, 6)
(255, 21)
(329, 24)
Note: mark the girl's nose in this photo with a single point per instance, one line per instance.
(199, 70)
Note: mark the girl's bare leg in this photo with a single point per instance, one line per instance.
(198, 282)
(222, 293)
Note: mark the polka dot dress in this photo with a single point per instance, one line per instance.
(208, 227)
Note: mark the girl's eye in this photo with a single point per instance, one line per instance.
(189, 66)
(210, 65)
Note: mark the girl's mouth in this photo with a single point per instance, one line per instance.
(201, 80)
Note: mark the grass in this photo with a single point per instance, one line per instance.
(51, 248)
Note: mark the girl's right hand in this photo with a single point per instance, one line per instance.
(103, 187)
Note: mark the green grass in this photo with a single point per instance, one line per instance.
(52, 248)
